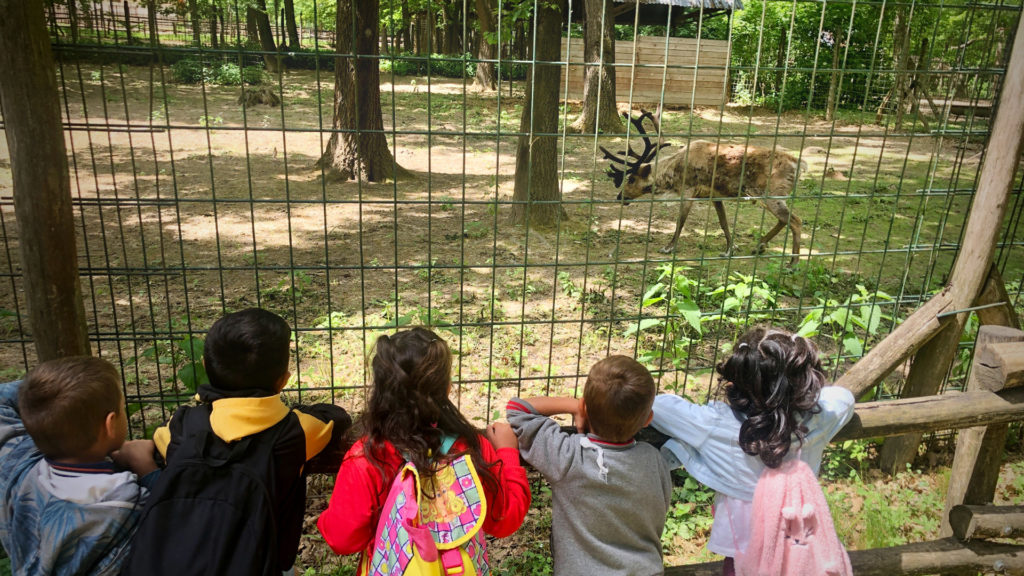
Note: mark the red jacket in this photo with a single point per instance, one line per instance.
(350, 521)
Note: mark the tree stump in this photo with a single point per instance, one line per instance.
(262, 95)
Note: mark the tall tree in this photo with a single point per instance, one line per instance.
(599, 111)
(485, 76)
(289, 20)
(258, 12)
(42, 196)
(537, 196)
(358, 147)
(193, 16)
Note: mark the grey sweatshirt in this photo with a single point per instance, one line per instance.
(609, 501)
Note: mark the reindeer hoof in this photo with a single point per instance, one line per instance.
(761, 248)
(668, 249)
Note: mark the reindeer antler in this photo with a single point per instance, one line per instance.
(649, 152)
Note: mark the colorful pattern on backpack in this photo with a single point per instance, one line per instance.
(434, 526)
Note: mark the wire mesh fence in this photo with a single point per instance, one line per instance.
(193, 197)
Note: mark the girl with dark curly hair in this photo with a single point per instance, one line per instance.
(777, 408)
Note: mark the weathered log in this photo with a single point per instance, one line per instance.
(928, 413)
(994, 292)
(978, 456)
(970, 522)
(948, 556)
(1001, 365)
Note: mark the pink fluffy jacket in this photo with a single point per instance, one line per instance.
(791, 529)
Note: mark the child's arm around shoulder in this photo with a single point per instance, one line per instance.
(324, 425)
(541, 440)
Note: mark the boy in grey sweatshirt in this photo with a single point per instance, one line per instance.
(610, 494)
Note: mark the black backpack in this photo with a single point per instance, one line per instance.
(212, 511)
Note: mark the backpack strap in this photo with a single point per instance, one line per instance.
(447, 441)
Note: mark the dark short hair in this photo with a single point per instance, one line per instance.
(64, 403)
(618, 395)
(247, 350)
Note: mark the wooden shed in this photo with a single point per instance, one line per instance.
(673, 71)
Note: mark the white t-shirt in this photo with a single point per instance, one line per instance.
(705, 440)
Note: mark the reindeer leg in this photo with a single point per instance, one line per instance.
(684, 211)
(723, 221)
(786, 218)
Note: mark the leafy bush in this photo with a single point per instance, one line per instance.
(406, 64)
(194, 71)
(230, 74)
(189, 71)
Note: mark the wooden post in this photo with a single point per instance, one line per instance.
(42, 188)
(979, 450)
(972, 264)
(987, 521)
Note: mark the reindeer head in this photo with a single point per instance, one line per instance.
(637, 173)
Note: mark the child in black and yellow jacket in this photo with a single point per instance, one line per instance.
(246, 356)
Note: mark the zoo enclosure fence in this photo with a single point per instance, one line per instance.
(189, 205)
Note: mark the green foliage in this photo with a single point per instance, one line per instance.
(184, 357)
(690, 513)
(188, 71)
(406, 64)
(852, 323)
(846, 460)
(195, 71)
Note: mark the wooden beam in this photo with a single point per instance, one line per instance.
(946, 556)
(979, 450)
(42, 187)
(987, 521)
(1001, 365)
(981, 232)
(994, 292)
(928, 413)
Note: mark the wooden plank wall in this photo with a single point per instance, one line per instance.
(653, 68)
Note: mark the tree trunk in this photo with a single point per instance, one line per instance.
(485, 76)
(780, 59)
(252, 29)
(193, 16)
(42, 197)
(537, 197)
(406, 27)
(154, 28)
(214, 40)
(266, 37)
(73, 19)
(127, 22)
(220, 15)
(900, 54)
(358, 148)
(599, 111)
(833, 82)
(289, 20)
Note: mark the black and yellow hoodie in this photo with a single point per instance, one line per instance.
(237, 414)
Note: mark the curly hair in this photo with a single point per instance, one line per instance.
(774, 378)
(409, 405)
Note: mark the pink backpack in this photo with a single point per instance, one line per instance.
(791, 529)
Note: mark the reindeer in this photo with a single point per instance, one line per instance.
(710, 170)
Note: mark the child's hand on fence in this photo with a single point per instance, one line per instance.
(137, 456)
(501, 436)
